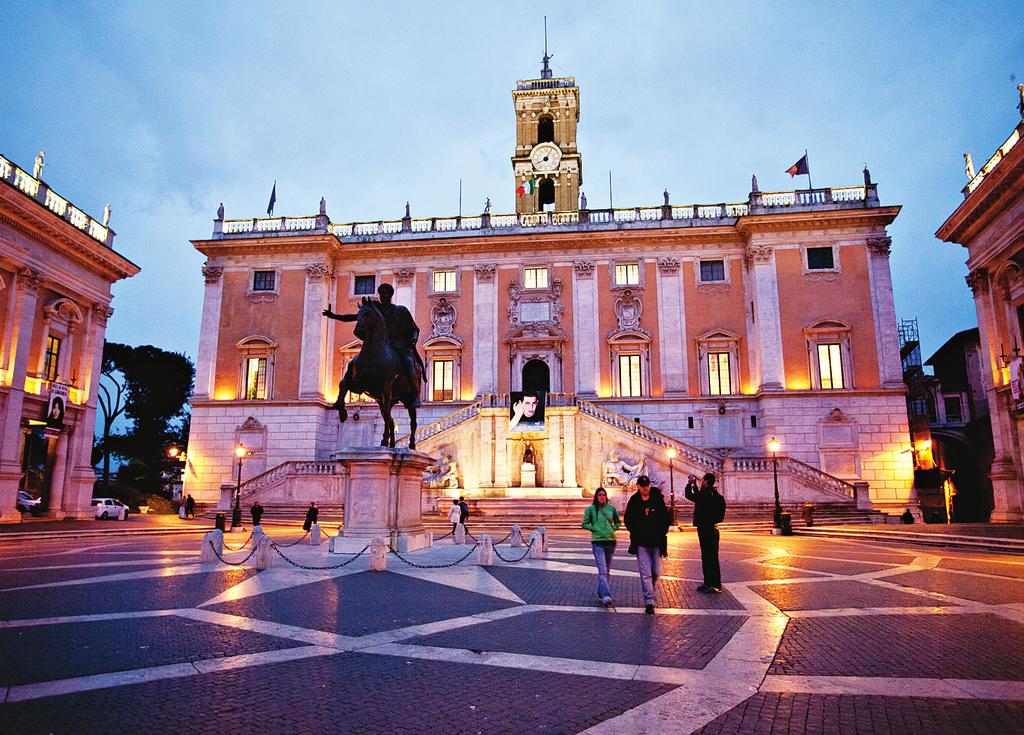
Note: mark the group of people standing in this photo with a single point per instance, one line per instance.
(648, 519)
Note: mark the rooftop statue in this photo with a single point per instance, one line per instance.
(37, 169)
(220, 211)
(388, 368)
(106, 215)
(969, 166)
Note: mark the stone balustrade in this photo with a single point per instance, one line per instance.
(808, 475)
(994, 160)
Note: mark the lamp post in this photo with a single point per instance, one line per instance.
(236, 514)
(773, 447)
(671, 452)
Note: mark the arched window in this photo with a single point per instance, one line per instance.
(829, 355)
(546, 195)
(256, 374)
(536, 376)
(545, 129)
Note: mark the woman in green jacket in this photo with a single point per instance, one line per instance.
(601, 519)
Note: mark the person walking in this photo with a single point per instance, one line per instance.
(455, 515)
(257, 513)
(463, 512)
(190, 506)
(311, 515)
(647, 520)
(602, 520)
(708, 512)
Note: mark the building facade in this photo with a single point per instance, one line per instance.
(704, 329)
(990, 224)
(56, 267)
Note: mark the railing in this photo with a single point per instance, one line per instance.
(445, 422)
(993, 161)
(528, 84)
(304, 468)
(269, 224)
(501, 400)
(684, 451)
(811, 476)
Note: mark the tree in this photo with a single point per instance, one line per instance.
(111, 399)
(155, 386)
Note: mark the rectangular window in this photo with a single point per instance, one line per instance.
(719, 377)
(263, 280)
(830, 366)
(255, 378)
(444, 281)
(712, 270)
(52, 358)
(954, 410)
(629, 376)
(365, 285)
(820, 259)
(443, 389)
(535, 278)
(627, 274)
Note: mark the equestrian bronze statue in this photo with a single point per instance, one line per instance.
(388, 368)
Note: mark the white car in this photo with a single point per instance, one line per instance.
(110, 508)
(28, 504)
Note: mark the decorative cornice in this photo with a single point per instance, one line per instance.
(317, 271)
(668, 266)
(880, 246)
(29, 280)
(977, 280)
(485, 272)
(404, 276)
(212, 273)
(757, 254)
(101, 313)
(584, 269)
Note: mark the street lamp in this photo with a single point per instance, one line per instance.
(236, 514)
(773, 447)
(671, 452)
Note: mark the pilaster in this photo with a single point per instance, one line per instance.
(883, 312)
(672, 327)
(485, 330)
(760, 260)
(312, 362)
(586, 348)
(209, 329)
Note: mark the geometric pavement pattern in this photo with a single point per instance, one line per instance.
(809, 636)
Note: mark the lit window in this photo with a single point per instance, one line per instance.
(441, 384)
(365, 285)
(255, 378)
(712, 270)
(820, 259)
(535, 278)
(627, 274)
(52, 358)
(263, 280)
(444, 281)
(719, 378)
(629, 376)
(830, 366)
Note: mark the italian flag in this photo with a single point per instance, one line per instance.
(529, 188)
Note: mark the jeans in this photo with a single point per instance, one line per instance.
(648, 562)
(603, 557)
(708, 538)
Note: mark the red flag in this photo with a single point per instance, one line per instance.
(800, 167)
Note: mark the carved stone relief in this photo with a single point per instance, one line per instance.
(212, 273)
(977, 280)
(404, 276)
(584, 269)
(628, 309)
(485, 272)
(668, 266)
(535, 307)
(317, 271)
(880, 246)
(442, 318)
(757, 254)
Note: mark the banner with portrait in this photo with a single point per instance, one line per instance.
(1016, 388)
(526, 411)
(57, 406)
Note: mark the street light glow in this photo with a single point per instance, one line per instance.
(240, 451)
(173, 451)
(773, 445)
(671, 452)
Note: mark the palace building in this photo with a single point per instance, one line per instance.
(682, 335)
(56, 267)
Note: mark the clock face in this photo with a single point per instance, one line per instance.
(545, 157)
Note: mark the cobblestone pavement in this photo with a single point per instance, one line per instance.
(810, 635)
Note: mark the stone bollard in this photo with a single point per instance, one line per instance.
(264, 556)
(314, 535)
(517, 536)
(537, 545)
(485, 551)
(544, 538)
(215, 537)
(460, 534)
(430, 539)
(257, 534)
(378, 555)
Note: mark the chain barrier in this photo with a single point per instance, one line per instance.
(514, 561)
(472, 536)
(433, 566)
(233, 563)
(293, 543)
(231, 548)
(445, 536)
(313, 568)
(507, 537)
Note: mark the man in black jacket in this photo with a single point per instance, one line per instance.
(647, 519)
(708, 511)
(311, 515)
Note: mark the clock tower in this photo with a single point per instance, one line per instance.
(547, 165)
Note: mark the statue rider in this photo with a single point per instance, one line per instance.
(402, 332)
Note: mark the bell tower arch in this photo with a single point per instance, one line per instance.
(546, 157)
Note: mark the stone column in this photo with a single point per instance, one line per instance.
(1007, 491)
(29, 281)
(761, 262)
(485, 330)
(883, 311)
(672, 327)
(312, 363)
(10, 325)
(586, 340)
(59, 472)
(209, 329)
(568, 447)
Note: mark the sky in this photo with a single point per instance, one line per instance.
(167, 109)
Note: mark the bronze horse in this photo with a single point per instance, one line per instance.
(380, 372)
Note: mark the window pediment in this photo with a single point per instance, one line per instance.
(256, 342)
(63, 309)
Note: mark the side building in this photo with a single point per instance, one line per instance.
(56, 267)
(990, 224)
(682, 333)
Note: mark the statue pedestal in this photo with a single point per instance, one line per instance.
(528, 476)
(381, 491)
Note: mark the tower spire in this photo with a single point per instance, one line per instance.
(545, 72)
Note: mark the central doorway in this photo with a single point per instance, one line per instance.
(536, 376)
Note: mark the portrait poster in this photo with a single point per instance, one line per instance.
(526, 411)
(57, 406)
